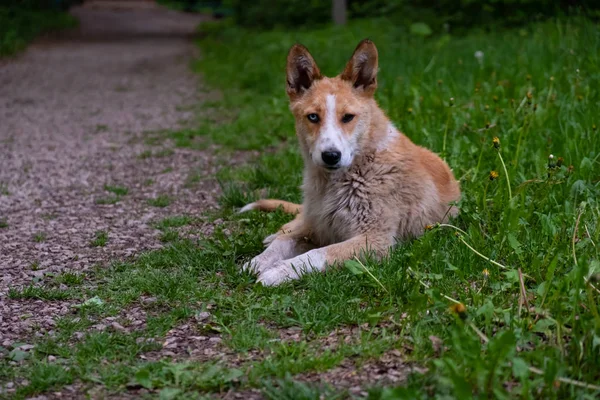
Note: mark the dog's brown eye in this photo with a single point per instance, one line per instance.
(347, 118)
(314, 118)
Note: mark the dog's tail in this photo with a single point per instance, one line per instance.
(272, 205)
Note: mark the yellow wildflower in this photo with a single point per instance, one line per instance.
(459, 309)
(496, 142)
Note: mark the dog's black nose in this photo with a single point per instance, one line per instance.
(331, 157)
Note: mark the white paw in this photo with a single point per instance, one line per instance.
(277, 274)
(293, 268)
(258, 264)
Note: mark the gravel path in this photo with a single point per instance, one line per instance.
(73, 114)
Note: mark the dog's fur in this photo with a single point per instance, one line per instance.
(383, 188)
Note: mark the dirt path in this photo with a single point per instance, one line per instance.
(73, 114)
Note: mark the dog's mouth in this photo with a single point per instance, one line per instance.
(331, 168)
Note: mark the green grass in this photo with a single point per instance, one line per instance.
(3, 223)
(436, 92)
(116, 194)
(40, 293)
(101, 128)
(69, 279)
(100, 239)
(169, 235)
(173, 222)
(117, 190)
(168, 227)
(108, 200)
(39, 237)
(165, 152)
(162, 200)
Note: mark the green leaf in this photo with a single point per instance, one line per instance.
(512, 275)
(399, 393)
(232, 374)
(462, 389)
(91, 302)
(169, 393)
(502, 344)
(487, 309)
(18, 355)
(594, 267)
(543, 325)
(541, 289)
(354, 267)
(211, 372)
(514, 244)
(520, 368)
(451, 267)
(586, 165)
(143, 378)
(420, 29)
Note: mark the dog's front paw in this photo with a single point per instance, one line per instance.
(277, 274)
(258, 264)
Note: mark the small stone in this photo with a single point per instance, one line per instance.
(201, 316)
(78, 335)
(118, 327)
(99, 327)
(215, 339)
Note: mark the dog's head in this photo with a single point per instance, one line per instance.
(332, 114)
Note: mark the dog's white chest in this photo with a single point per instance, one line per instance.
(338, 212)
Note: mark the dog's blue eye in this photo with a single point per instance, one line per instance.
(314, 118)
(347, 118)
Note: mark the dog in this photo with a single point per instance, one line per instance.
(365, 184)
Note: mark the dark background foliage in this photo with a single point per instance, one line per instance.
(439, 14)
(21, 21)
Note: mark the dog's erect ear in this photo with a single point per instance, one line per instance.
(361, 70)
(302, 71)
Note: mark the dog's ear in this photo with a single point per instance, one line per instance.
(302, 71)
(361, 70)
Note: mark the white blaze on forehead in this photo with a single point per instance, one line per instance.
(331, 130)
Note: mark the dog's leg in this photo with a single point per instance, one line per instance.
(281, 247)
(318, 259)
